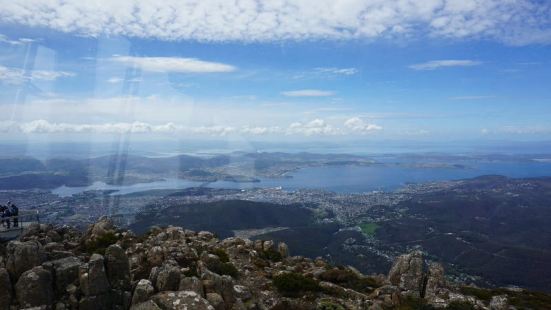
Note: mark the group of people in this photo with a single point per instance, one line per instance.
(9, 211)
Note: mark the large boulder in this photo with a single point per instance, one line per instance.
(147, 305)
(93, 279)
(103, 227)
(181, 300)
(283, 249)
(216, 301)
(6, 290)
(435, 281)
(35, 288)
(102, 301)
(407, 273)
(191, 284)
(144, 289)
(65, 271)
(499, 302)
(117, 267)
(155, 256)
(23, 256)
(168, 278)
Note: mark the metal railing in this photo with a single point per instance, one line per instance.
(12, 226)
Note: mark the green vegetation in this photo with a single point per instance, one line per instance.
(294, 284)
(100, 244)
(222, 255)
(328, 305)
(458, 305)
(480, 293)
(349, 279)
(225, 269)
(192, 271)
(270, 255)
(413, 303)
(369, 228)
(521, 299)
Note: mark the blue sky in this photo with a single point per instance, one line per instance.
(369, 69)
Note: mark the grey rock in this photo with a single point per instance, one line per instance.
(225, 288)
(435, 281)
(181, 300)
(168, 278)
(407, 273)
(499, 302)
(65, 271)
(191, 284)
(155, 256)
(144, 289)
(216, 301)
(6, 290)
(23, 256)
(31, 230)
(93, 279)
(242, 292)
(147, 305)
(283, 249)
(117, 267)
(102, 301)
(258, 245)
(268, 245)
(35, 288)
(120, 299)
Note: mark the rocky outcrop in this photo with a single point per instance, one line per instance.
(407, 273)
(499, 302)
(6, 289)
(65, 272)
(22, 256)
(35, 288)
(181, 300)
(172, 268)
(144, 289)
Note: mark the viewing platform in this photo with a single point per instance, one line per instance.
(23, 220)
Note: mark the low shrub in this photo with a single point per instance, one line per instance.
(460, 305)
(222, 255)
(329, 305)
(349, 279)
(413, 303)
(294, 284)
(270, 255)
(225, 269)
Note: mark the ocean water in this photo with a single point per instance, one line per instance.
(343, 179)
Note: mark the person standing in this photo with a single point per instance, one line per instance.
(14, 210)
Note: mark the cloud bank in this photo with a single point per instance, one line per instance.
(174, 64)
(316, 127)
(437, 64)
(17, 76)
(308, 93)
(516, 22)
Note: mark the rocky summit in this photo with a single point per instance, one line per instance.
(174, 268)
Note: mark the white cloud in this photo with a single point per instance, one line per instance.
(471, 97)
(312, 128)
(316, 127)
(174, 64)
(436, 64)
(357, 125)
(308, 93)
(337, 71)
(513, 21)
(20, 41)
(17, 76)
(114, 80)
